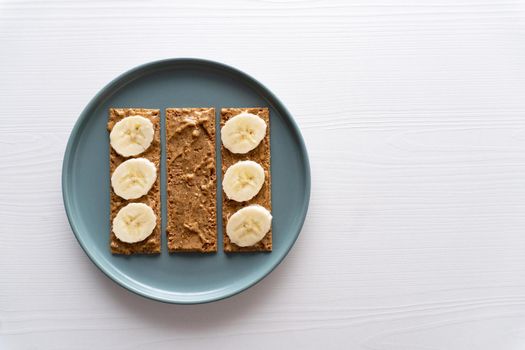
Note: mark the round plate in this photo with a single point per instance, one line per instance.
(182, 278)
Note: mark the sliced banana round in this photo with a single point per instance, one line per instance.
(133, 178)
(243, 132)
(243, 180)
(249, 225)
(132, 135)
(134, 223)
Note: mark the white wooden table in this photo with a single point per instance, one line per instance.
(414, 117)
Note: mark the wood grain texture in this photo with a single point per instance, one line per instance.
(414, 118)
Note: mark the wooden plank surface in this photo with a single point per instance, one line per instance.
(413, 113)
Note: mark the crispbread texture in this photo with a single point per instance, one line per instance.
(191, 180)
(151, 245)
(261, 155)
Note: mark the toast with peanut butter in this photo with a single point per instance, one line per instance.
(246, 201)
(135, 180)
(191, 180)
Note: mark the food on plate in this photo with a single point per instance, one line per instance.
(131, 136)
(243, 132)
(135, 182)
(133, 178)
(243, 180)
(244, 142)
(134, 222)
(248, 225)
(191, 180)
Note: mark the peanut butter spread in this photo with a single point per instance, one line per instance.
(151, 245)
(261, 155)
(191, 185)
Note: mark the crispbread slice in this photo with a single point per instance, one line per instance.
(151, 245)
(261, 155)
(191, 180)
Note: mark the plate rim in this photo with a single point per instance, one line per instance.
(85, 115)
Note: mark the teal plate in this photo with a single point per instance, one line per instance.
(182, 278)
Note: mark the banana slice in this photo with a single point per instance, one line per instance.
(243, 132)
(133, 178)
(131, 136)
(243, 180)
(249, 225)
(134, 223)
